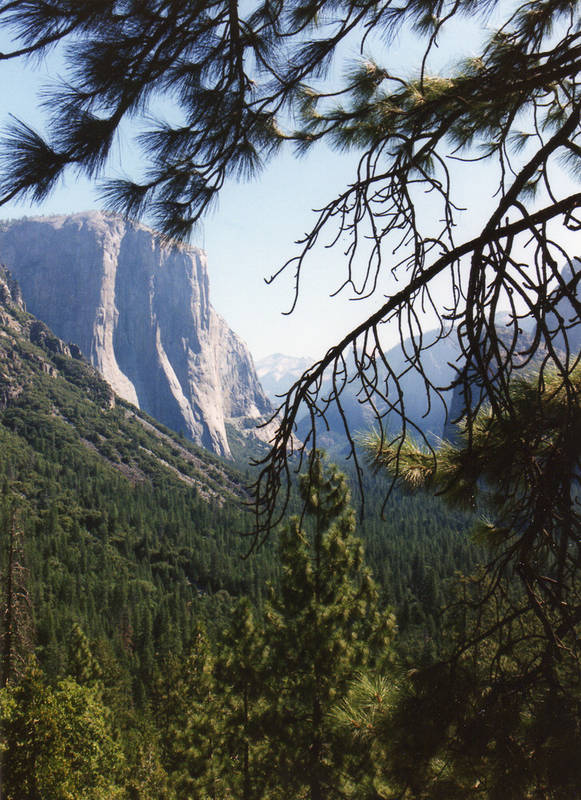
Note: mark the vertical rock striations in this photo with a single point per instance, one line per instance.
(140, 311)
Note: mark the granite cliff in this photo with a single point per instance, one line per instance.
(140, 312)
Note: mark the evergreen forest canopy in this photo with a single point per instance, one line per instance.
(140, 655)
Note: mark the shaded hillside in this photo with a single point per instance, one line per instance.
(278, 373)
(43, 379)
(128, 528)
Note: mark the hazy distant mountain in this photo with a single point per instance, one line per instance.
(439, 362)
(567, 318)
(567, 312)
(278, 372)
(141, 313)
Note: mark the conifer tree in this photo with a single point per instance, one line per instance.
(499, 714)
(323, 625)
(82, 665)
(58, 742)
(243, 670)
(520, 469)
(189, 713)
(16, 630)
(145, 778)
(15, 607)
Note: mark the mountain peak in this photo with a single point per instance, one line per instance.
(140, 311)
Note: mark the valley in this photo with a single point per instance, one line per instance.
(352, 577)
(146, 639)
(125, 539)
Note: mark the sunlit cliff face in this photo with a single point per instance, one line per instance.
(140, 311)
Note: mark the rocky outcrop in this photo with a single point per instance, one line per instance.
(18, 330)
(140, 311)
(10, 293)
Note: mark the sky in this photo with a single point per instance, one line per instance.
(247, 236)
(251, 232)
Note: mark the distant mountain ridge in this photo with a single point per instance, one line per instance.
(278, 372)
(440, 363)
(141, 313)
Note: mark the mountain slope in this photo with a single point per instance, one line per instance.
(45, 381)
(128, 528)
(141, 313)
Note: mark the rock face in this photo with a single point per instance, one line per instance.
(140, 311)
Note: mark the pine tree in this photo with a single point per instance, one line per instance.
(16, 631)
(82, 665)
(520, 469)
(323, 625)
(243, 671)
(503, 704)
(16, 628)
(188, 710)
(58, 742)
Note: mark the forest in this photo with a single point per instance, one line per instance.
(140, 641)
(143, 658)
(132, 616)
(149, 651)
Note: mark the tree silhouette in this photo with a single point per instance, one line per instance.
(521, 471)
(498, 714)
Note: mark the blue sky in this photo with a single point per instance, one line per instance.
(247, 236)
(251, 232)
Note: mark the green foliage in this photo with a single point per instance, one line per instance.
(323, 625)
(145, 776)
(239, 73)
(125, 531)
(133, 574)
(189, 713)
(82, 666)
(238, 70)
(244, 669)
(58, 742)
(521, 465)
(248, 714)
(133, 552)
(16, 630)
(498, 715)
(486, 722)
